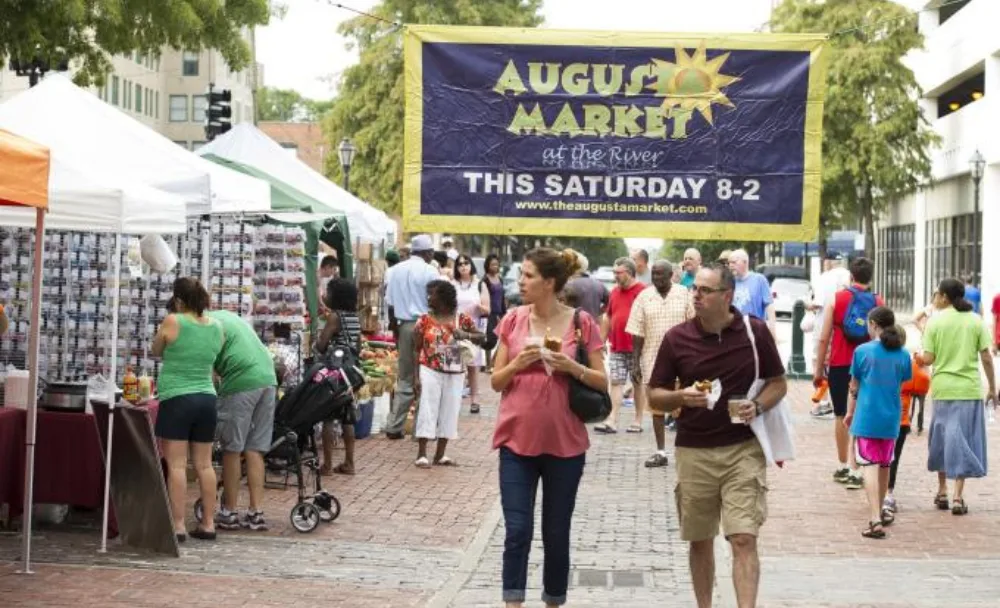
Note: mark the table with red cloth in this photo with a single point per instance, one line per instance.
(69, 460)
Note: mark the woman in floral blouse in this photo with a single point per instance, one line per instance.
(441, 377)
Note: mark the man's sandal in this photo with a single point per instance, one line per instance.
(874, 530)
(941, 502)
(656, 460)
(958, 507)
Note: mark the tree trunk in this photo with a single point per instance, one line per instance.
(869, 217)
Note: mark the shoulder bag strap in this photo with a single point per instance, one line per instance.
(581, 351)
(753, 345)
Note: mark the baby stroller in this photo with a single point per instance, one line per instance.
(327, 387)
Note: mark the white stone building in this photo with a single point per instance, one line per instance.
(929, 235)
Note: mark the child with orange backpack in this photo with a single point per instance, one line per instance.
(914, 389)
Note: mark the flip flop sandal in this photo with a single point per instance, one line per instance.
(874, 530)
(941, 502)
(635, 428)
(422, 463)
(474, 408)
(887, 517)
(604, 428)
(958, 507)
(445, 462)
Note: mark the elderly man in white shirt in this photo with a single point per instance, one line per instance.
(406, 296)
(834, 278)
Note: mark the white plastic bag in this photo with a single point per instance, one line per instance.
(157, 253)
(808, 323)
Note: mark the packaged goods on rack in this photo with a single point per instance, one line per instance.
(279, 279)
(231, 261)
(370, 276)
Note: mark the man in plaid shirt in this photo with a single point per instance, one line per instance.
(658, 308)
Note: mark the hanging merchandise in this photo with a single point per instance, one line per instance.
(279, 279)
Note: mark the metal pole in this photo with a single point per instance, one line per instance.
(347, 177)
(116, 265)
(797, 361)
(975, 233)
(34, 333)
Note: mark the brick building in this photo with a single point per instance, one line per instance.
(304, 139)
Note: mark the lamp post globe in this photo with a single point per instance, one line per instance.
(346, 151)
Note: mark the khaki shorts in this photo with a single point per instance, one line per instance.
(727, 483)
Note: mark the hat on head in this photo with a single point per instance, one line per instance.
(392, 256)
(447, 239)
(453, 254)
(421, 242)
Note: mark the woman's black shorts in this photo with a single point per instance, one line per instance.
(188, 418)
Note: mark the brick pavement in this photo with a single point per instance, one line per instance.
(395, 545)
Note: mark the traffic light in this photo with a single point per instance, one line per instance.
(219, 113)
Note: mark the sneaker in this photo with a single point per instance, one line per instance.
(824, 408)
(889, 504)
(255, 521)
(842, 475)
(227, 520)
(854, 482)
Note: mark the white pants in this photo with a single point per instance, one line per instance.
(440, 403)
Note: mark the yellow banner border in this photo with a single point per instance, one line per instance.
(415, 221)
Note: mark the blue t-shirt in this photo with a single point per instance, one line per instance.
(753, 295)
(974, 297)
(687, 280)
(880, 373)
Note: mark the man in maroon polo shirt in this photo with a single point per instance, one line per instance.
(721, 470)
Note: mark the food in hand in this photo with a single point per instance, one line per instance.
(704, 386)
(552, 343)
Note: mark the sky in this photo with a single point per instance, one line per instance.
(304, 52)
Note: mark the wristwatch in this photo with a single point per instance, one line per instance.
(757, 407)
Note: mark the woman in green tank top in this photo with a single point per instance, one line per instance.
(188, 342)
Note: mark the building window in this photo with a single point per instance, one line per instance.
(156, 106)
(114, 90)
(190, 60)
(178, 108)
(969, 90)
(895, 261)
(949, 248)
(199, 106)
(148, 108)
(963, 240)
(138, 99)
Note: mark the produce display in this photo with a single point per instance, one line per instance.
(380, 363)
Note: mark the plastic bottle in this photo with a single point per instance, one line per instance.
(145, 388)
(130, 386)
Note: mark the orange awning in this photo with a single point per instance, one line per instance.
(24, 172)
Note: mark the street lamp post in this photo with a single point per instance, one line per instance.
(977, 165)
(346, 150)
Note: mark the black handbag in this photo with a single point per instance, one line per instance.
(589, 405)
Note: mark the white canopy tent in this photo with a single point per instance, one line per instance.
(95, 135)
(248, 145)
(92, 199)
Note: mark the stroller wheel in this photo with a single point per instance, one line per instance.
(304, 517)
(199, 510)
(331, 511)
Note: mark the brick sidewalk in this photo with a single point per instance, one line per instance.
(410, 537)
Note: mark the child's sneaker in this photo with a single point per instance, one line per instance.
(227, 520)
(889, 504)
(842, 475)
(255, 521)
(854, 482)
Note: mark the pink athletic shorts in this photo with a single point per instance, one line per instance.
(875, 451)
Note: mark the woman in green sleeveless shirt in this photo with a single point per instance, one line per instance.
(189, 342)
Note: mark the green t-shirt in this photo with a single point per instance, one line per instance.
(187, 361)
(244, 363)
(956, 339)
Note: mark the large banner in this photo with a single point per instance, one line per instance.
(548, 132)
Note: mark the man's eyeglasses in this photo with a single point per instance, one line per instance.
(704, 291)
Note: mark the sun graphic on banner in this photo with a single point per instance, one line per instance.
(692, 82)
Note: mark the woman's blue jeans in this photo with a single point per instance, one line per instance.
(519, 477)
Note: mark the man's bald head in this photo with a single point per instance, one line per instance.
(692, 261)
(739, 263)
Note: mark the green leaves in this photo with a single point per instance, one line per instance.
(369, 108)
(287, 105)
(90, 31)
(874, 135)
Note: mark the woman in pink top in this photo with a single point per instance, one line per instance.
(538, 436)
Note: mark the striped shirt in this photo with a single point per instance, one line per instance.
(653, 316)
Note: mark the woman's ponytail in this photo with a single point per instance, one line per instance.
(893, 338)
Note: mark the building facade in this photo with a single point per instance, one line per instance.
(930, 235)
(166, 93)
(303, 139)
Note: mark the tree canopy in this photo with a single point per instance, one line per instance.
(369, 106)
(90, 31)
(287, 105)
(876, 142)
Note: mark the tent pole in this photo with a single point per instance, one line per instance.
(34, 344)
(116, 265)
